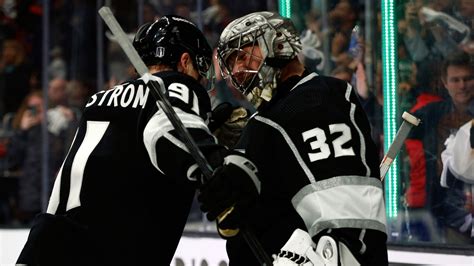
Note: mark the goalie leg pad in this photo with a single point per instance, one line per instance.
(334, 252)
(301, 250)
(345, 255)
(298, 250)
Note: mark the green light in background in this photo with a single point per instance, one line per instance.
(390, 108)
(285, 8)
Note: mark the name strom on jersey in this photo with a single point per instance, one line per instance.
(122, 95)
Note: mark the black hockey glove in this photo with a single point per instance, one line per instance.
(232, 190)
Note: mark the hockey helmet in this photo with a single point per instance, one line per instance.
(277, 39)
(166, 39)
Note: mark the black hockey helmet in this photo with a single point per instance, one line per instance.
(166, 39)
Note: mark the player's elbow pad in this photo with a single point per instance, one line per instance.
(241, 162)
(234, 184)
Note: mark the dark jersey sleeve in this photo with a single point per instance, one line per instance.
(166, 148)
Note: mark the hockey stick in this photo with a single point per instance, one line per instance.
(408, 122)
(164, 104)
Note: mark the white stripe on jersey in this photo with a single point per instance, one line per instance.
(159, 126)
(342, 201)
(94, 133)
(95, 130)
(54, 198)
(291, 145)
(303, 80)
(361, 136)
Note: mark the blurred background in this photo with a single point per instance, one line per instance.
(398, 55)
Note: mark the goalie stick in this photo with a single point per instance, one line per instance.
(164, 104)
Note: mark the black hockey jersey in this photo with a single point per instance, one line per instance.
(126, 175)
(317, 162)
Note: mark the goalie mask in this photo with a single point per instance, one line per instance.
(252, 50)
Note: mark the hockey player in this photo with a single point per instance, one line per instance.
(310, 140)
(123, 193)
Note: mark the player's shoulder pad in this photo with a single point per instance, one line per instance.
(185, 91)
(335, 84)
(306, 95)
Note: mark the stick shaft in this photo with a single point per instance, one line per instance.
(408, 122)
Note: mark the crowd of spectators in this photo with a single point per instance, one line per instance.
(24, 110)
(436, 42)
(434, 37)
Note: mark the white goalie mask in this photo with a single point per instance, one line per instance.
(278, 44)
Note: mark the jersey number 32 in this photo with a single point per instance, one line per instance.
(317, 140)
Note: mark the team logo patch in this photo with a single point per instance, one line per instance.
(160, 51)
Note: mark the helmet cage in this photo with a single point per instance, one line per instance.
(276, 38)
(228, 63)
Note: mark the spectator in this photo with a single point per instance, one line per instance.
(426, 33)
(310, 55)
(343, 17)
(313, 23)
(60, 116)
(465, 13)
(57, 66)
(407, 78)
(339, 55)
(57, 92)
(215, 17)
(25, 154)
(15, 73)
(439, 119)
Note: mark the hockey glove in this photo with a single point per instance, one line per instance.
(232, 190)
(227, 123)
(219, 115)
